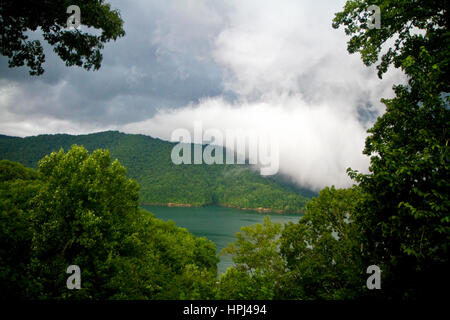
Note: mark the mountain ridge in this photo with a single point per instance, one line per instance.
(148, 161)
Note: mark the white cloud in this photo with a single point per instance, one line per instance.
(317, 143)
(293, 76)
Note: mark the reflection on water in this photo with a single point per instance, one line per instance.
(218, 224)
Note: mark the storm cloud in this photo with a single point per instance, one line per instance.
(270, 66)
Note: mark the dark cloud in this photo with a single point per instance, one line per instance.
(149, 69)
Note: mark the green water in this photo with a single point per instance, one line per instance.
(218, 224)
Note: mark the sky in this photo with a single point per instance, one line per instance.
(273, 67)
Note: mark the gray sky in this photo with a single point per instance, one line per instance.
(269, 66)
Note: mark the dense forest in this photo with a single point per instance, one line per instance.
(148, 162)
(81, 209)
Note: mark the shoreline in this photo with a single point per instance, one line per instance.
(190, 205)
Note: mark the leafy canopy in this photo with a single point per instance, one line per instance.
(406, 26)
(404, 218)
(322, 250)
(74, 47)
(81, 209)
(316, 258)
(258, 263)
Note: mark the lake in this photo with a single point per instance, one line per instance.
(218, 224)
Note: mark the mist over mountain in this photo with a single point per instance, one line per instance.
(148, 161)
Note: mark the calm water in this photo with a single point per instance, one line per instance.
(218, 224)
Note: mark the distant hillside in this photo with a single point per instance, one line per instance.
(148, 162)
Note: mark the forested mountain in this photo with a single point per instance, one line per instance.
(161, 182)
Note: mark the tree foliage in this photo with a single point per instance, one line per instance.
(258, 264)
(316, 258)
(405, 213)
(81, 209)
(407, 24)
(74, 47)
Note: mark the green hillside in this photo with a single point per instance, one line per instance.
(148, 162)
